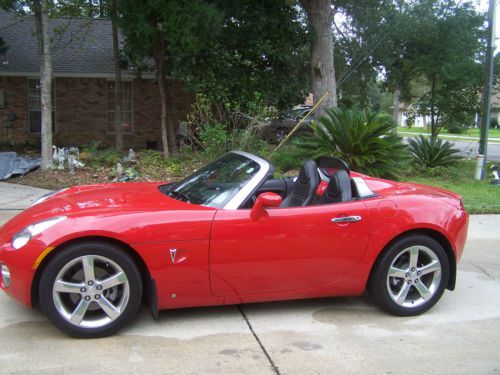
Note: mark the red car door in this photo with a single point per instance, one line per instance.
(287, 249)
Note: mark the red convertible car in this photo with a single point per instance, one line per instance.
(230, 234)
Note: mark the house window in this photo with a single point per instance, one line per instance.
(127, 107)
(35, 106)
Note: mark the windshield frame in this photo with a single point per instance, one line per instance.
(265, 168)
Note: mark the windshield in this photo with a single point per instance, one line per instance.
(217, 183)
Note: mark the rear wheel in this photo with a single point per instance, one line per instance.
(411, 275)
(90, 289)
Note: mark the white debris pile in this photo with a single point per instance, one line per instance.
(68, 155)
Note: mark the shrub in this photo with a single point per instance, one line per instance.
(432, 153)
(94, 156)
(288, 157)
(217, 127)
(214, 139)
(368, 144)
(494, 122)
(153, 164)
(248, 140)
(455, 129)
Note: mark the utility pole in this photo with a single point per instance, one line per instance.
(488, 81)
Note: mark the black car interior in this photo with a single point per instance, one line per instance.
(302, 190)
(338, 190)
(340, 186)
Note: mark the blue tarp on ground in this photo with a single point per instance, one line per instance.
(13, 165)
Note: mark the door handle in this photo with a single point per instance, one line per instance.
(346, 219)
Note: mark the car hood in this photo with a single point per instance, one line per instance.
(104, 198)
(143, 196)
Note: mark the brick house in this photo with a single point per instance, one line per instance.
(83, 87)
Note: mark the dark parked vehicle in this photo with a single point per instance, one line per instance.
(279, 128)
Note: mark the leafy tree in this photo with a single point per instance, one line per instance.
(259, 53)
(81, 8)
(160, 30)
(496, 69)
(40, 11)
(379, 29)
(444, 50)
(320, 18)
(233, 52)
(118, 78)
(355, 81)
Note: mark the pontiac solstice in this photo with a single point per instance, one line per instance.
(229, 234)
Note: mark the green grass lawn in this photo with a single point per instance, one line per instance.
(475, 132)
(480, 197)
(493, 135)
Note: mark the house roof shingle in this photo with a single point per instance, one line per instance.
(80, 46)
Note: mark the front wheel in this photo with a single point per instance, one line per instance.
(411, 275)
(90, 289)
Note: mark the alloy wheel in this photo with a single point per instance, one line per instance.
(91, 291)
(414, 276)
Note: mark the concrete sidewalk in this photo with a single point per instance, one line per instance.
(460, 335)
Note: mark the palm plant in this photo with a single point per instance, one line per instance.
(367, 143)
(433, 152)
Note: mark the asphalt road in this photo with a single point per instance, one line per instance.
(470, 148)
(460, 335)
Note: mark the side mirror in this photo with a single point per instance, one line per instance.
(263, 201)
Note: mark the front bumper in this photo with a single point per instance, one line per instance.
(20, 263)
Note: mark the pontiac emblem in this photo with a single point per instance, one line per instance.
(173, 253)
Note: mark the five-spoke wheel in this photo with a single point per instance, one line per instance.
(90, 289)
(410, 276)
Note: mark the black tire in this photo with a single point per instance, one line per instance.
(95, 317)
(422, 286)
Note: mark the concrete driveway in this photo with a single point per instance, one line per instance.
(460, 335)
(14, 198)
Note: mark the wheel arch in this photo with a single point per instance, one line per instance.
(148, 283)
(435, 235)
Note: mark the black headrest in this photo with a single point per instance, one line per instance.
(309, 170)
(329, 165)
(339, 188)
(302, 193)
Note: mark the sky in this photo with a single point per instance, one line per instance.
(482, 5)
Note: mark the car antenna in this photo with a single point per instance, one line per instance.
(300, 122)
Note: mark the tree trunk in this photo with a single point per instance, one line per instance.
(396, 103)
(433, 111)
(118, 81)
(172, 139)
(42, 29)
(163, 99)
(320, 17)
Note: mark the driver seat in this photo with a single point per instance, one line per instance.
(304, 188)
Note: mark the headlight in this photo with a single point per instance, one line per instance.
(23, 237)
(47, 196)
